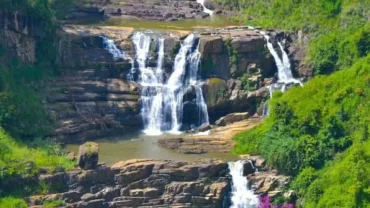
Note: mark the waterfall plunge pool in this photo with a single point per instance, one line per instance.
(140, 146)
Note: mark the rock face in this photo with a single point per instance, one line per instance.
(161, 10)
(157, 183)
(19, 34)
(88, 155)
(236, 65)
(142, 183)
(236, 69)
(92, 103)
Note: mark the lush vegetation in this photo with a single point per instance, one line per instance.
(319, 133)
(338, 29)
(23, 119)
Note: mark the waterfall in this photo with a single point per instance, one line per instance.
(112, 48)
(196, 83)
(285, 76)
(161, 98)
(208, 11)
(242, 196)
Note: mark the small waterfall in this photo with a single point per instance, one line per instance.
(242, 196)
(162, 98)
(175, 84)
(285, 76)
(196, 83)
(149, 82)
(208, 11)
(112, 48)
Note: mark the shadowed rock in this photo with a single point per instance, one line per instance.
(88, 155)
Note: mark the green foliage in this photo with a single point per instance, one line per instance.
(247, 84)
(9, 202)
(338, 29)
(343, 183)
(20, 161)
(21, 110)
(61, 7)
(52, 204)
(39, 9)
(310, 126)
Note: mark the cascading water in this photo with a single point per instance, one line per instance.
(285, 76)
(242, 196)
(162, 100)
(208, 11)
(196, 83)
(112, 48)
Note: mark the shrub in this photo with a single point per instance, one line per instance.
(8, 202)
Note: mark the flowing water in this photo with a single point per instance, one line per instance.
(285, 76)
(242, 196)
(208, 11)
(111, 47)
(161, 98)
(162, 106)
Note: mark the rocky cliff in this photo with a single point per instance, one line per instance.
(160, 10)
(236, 67)
(19, 35)
(157, 183)
(140, 183)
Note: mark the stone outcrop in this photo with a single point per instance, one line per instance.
(232, 118)
(236, 66)
(218, 140)
(236, 69)
(88, 155)
(141, 183)
(160, 10)
(91, 103)
(19, 34)
(157, 183)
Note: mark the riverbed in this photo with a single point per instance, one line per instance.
(216, 21)
(140, 146)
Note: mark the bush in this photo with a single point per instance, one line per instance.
(52, 204)
(20, 161)
(21, 110)
(9, 202)
(310, 126)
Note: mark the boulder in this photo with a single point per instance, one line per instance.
(88, 155)
(232, 118)
(248, 168)
(204, 127)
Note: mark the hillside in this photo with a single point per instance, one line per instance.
(319, 133)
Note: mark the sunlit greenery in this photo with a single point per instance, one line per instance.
(23, 118)
(319, 133)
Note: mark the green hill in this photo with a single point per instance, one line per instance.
(319, 133)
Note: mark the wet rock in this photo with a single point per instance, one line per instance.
(88, 155)
(248, 168)
(204, 127)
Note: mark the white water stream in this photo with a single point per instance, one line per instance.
(162, 98)
(208, 11)
(112, 48)
(285, 76)
(242, 196)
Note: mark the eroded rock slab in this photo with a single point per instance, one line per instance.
(219, 139)
(150, 183)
